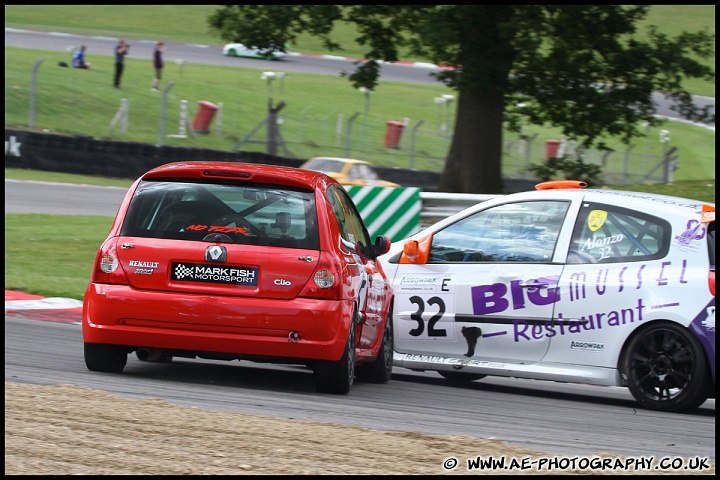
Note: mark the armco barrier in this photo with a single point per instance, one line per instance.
(111, 158)
(120, 159)
(436, 205)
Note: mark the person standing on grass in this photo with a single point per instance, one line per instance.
(120, 51)
(158, 64)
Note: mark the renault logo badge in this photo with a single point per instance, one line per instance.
(216, 253)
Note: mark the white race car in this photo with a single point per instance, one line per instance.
(565, 284)
(240, 50)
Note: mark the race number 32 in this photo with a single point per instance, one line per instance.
(425, 317)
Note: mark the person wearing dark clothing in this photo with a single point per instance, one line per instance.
(78, 59)
(120, 51)
(158, 64)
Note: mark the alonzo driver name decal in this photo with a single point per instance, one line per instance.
(200, 272)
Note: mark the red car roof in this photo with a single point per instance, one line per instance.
(253, 172)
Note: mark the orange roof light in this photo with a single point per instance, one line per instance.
(556, 184)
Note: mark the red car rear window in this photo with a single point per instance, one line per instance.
(241, 213)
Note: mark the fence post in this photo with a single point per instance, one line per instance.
(33, 93)
(218, 120)
(348, 139)
(339, 128)
(272, 128)
(626, 164)
(163, 111)
(124, 123)
(412, 142)
(528, 154)
(667, 170)
(120, 116)
(669, 164)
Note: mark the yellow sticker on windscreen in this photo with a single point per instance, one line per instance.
(596, 219)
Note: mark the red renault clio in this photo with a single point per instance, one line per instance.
(237, 261)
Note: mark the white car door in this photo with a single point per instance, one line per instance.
(488, 287)
(620, 273)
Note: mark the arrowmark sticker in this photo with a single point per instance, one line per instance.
(200, 272)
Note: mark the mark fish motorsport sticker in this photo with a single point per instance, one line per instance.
(596, 219)
(200, 272)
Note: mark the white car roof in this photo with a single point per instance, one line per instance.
(660, 205)
(647, 202)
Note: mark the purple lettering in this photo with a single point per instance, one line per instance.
(639, 276)
(560, 322)
(682, 272)
(517, 324)
(537, 332)
(577, 282)
(640, 307)
(601, 285)
(662, 280)
(517, 294)
(489, 298)
(620, 279)
(543, 296)
(550, 328)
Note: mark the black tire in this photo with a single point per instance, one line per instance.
(666, 368)
(100, 357)
(380, 370)
(232, 53)
(337, 376)
(462, 376)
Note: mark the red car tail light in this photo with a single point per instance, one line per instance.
(325, 281)
(711, 281)
(107, 266)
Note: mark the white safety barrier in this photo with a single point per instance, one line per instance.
(437, 205)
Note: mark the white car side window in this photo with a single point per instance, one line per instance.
(606, 233)
(514, 232)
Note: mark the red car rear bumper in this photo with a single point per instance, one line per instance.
(299, 328)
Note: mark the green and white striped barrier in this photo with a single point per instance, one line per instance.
(390, 211)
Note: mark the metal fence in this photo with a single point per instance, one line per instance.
(423, 147)
(164, 118)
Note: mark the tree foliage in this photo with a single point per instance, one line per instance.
(580, 68)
